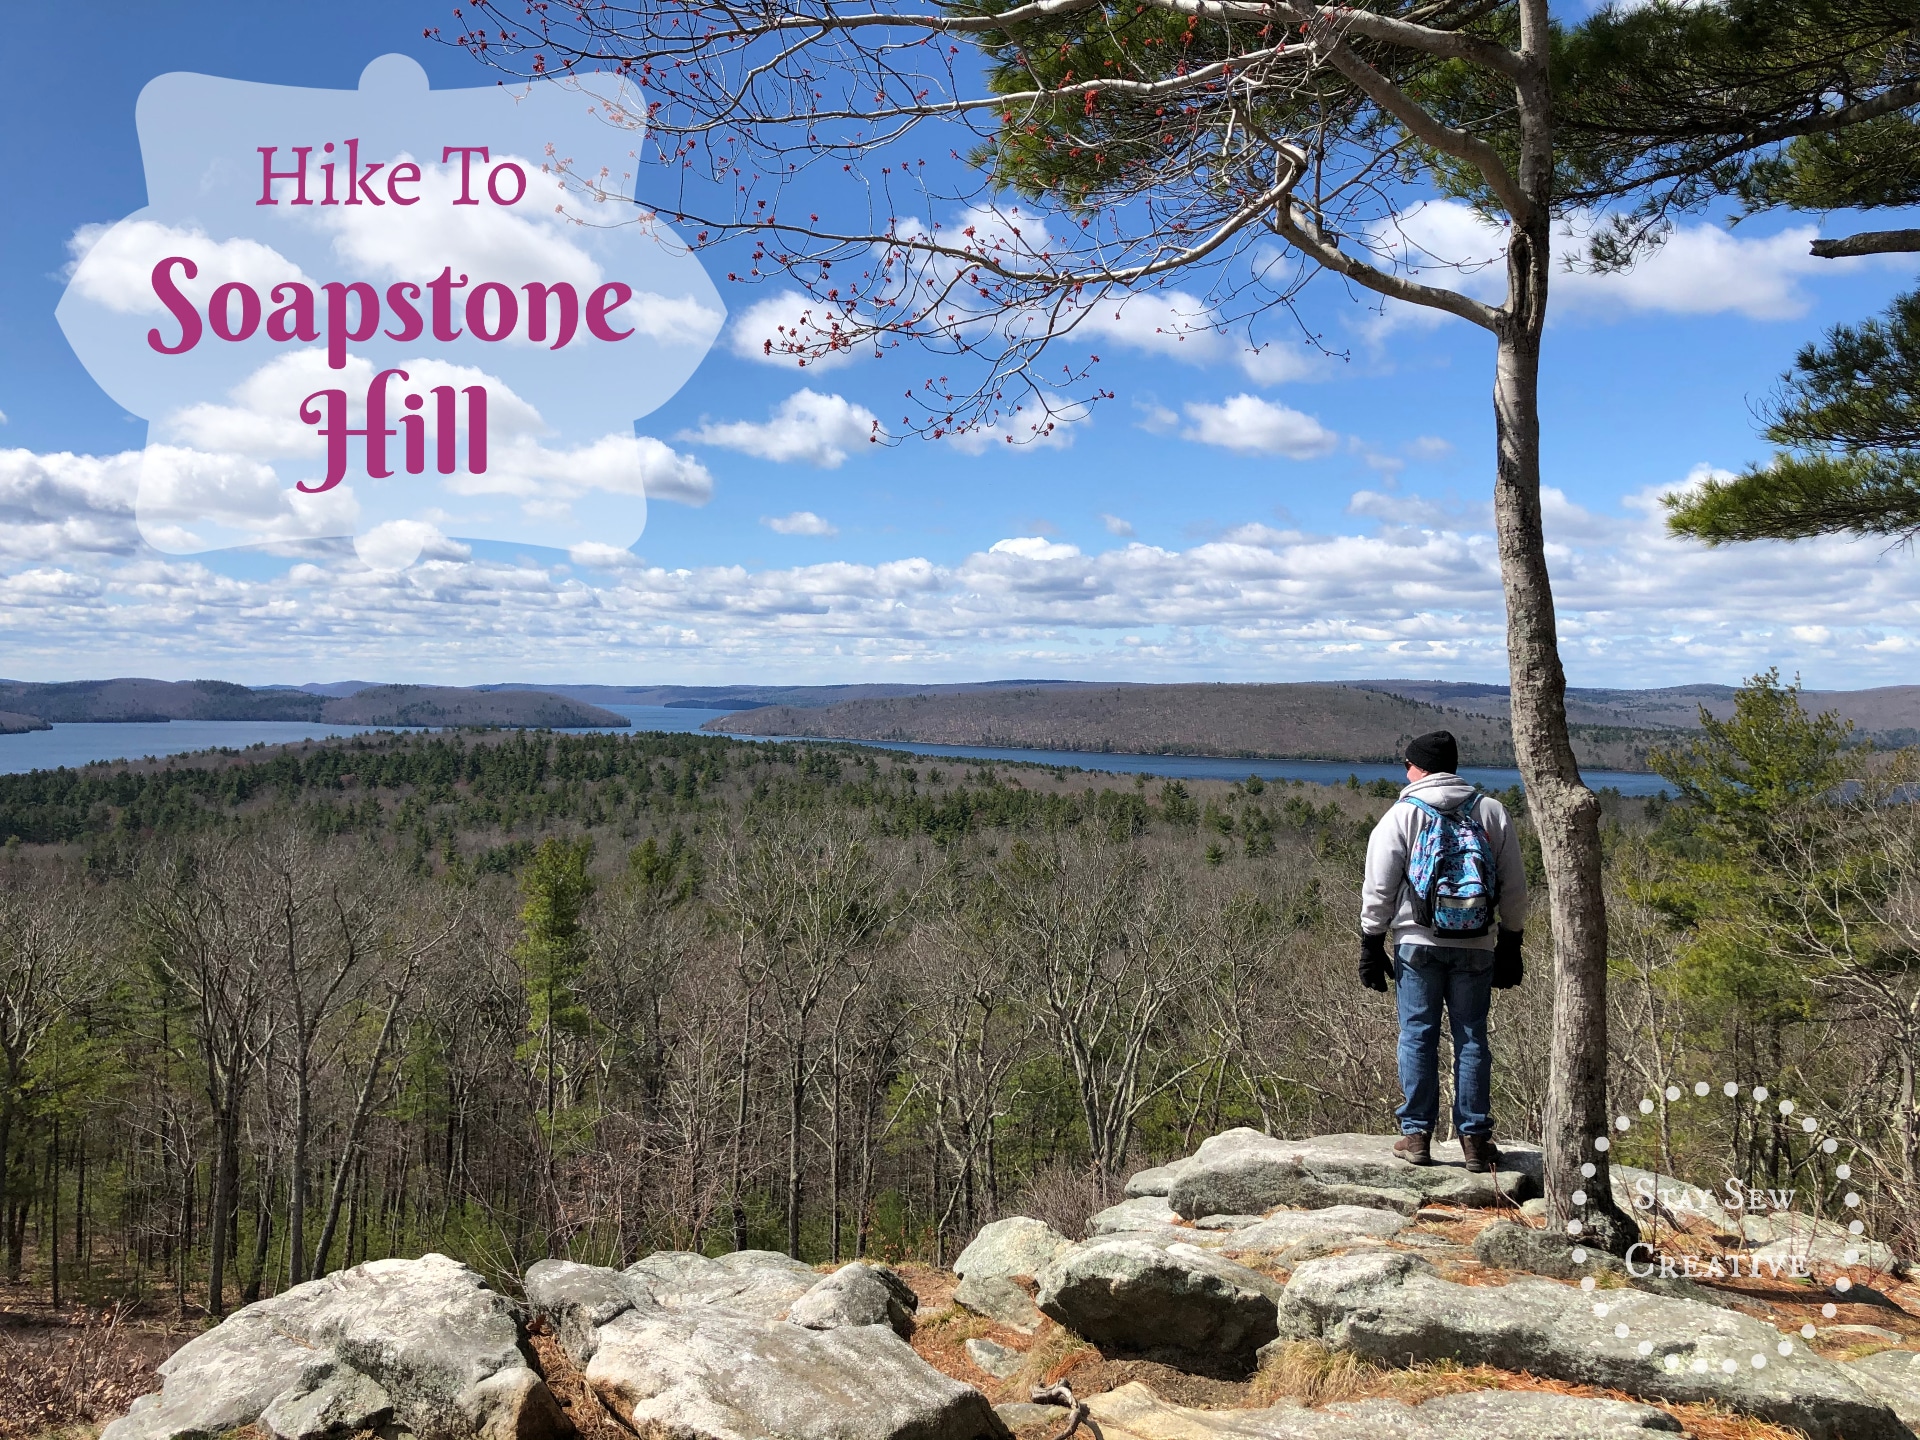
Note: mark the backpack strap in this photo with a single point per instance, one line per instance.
(1466, 806)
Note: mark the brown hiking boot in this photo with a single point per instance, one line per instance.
(1416, 1148)
(1481, 1153)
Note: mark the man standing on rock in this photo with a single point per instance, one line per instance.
(1441, 862)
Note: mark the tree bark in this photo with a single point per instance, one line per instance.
(1566, 814)
(355, 1132)
(1868, 242)
(796, 1112)
(297, 1168)
(226, 1163)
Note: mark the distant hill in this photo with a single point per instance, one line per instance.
(1889, 715)
(748, 697)
(83, 701)
(15, 724)
(444, 705)
(1310, 721)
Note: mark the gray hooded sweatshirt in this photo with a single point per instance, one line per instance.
(1386, 901)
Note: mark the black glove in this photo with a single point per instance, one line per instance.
(1373, 962)
(1508, 967)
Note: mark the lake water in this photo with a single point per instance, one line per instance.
(76, 745)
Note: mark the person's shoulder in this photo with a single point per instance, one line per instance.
(1492, 809)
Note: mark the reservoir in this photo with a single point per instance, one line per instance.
(77, 745)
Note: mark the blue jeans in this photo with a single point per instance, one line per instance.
(1425, 977)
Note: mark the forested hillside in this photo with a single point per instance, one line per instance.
(1304, 721)
(512, 996)
(83, 701)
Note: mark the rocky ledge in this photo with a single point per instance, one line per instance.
(1231, 1262)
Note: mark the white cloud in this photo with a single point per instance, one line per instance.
(800, 522)
(807, 426)
(64, 505)
(1409, 585)
(1155, 418)
(1702, 269)
(594, 555)
(791, 329)
(1254, 426)
(1116, 526)
(1179, 326)
(113, 264)
(1034, 547)
(1017, 435)
(621, 464)
(397, 544)
(1429, 447)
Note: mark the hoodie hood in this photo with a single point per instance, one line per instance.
(1443, 791)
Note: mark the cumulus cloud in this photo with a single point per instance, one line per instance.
(1409, 584)
(807, 426)
(593, 555)
(800, 522)
(622, 464)
(1016, 435)
(1179, 326)
(396, 544)
(1702, 269)
(1254, 426)
(64, 504)
(1116, 526)
(789, 328)
(113, 264)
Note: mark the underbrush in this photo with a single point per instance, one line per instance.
(70, 1379)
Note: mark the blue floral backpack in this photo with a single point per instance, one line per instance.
(1451, 871)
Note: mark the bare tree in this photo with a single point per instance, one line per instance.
(48, 966)
(804, 902)
(1108, 950)
(212, 918)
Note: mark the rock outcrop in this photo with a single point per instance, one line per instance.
(1177, 1301)
(1392, 1307)
(704, 1373)
(1001, 1257)
(1894, 1376)
(1133, 1412)
(1245, 1172)
(754, 1344)
(425, 1344)
(1017, 1246)
(858, 1294)
(1211, 1264)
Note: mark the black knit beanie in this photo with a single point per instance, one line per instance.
(1436, 750)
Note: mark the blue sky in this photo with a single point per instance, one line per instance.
(1225, 517)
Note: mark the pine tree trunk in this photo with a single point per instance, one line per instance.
(1566, 814)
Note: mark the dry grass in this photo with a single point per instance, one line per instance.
(570, 1388)
(1054, 1352)
(72, 1376)
(1313, 1374)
